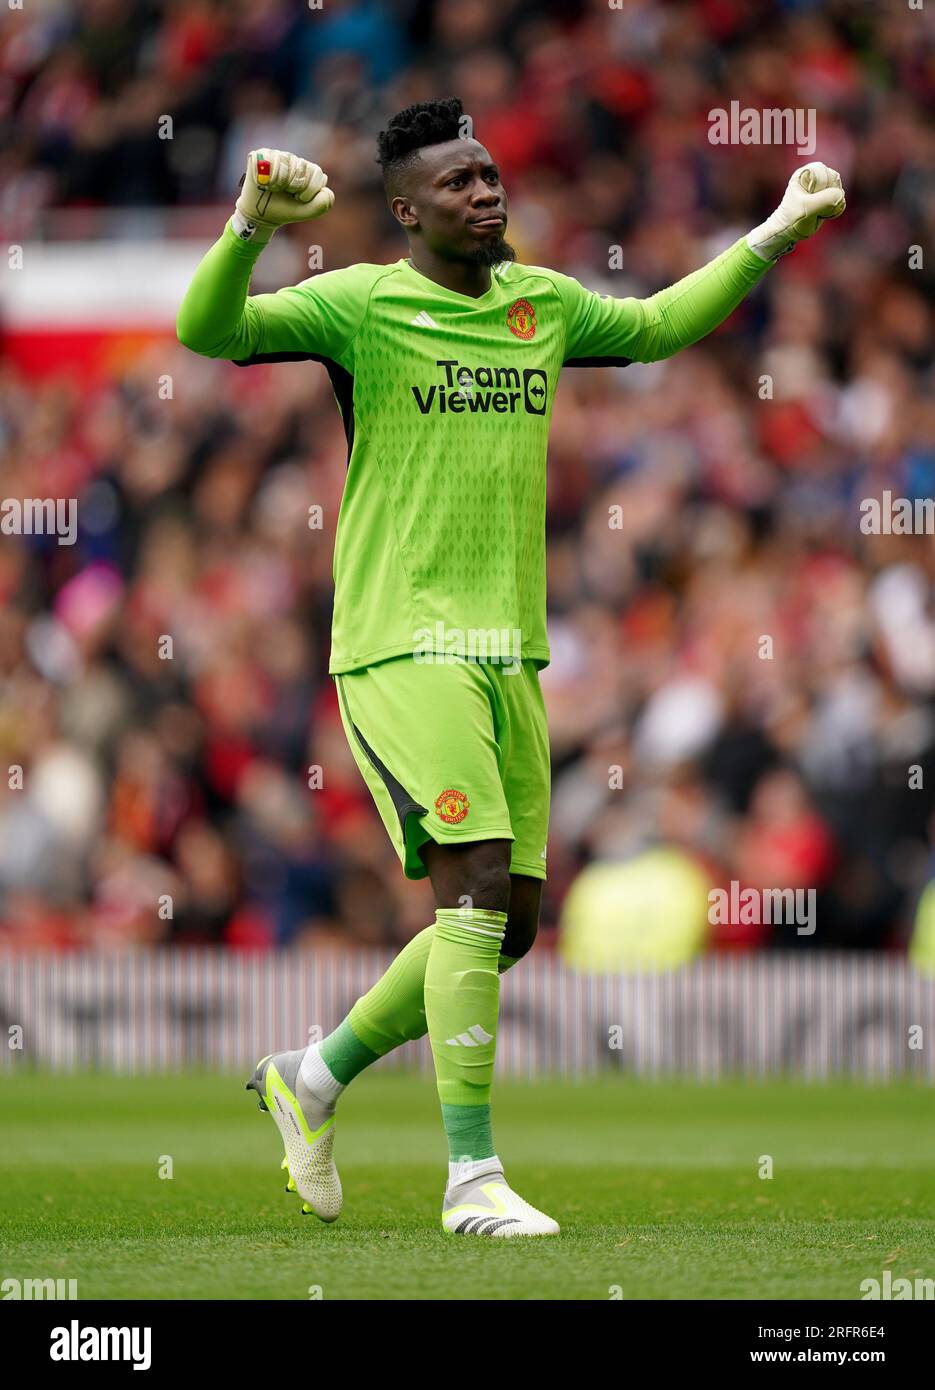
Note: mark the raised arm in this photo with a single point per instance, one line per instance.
(216, 318)
(601, 329)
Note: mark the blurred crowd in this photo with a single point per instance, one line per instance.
(738, 672)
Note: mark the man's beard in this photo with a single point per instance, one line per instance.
(491, 251)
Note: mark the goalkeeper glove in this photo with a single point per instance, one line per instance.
(813, 194)
(278, 188)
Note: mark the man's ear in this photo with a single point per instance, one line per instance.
(404, 212)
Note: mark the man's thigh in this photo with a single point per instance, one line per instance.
(428, 739)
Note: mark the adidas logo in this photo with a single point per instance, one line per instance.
(474, 1036)
(424, 320)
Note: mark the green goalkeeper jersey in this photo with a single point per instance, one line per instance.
(446, 402)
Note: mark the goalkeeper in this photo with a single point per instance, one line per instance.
(444, 365)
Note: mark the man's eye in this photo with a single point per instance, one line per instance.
(452, 182)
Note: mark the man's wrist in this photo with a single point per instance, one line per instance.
(253, 232)
(769, 244)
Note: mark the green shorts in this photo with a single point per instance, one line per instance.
(452, 750)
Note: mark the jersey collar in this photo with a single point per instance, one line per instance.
(485, 298)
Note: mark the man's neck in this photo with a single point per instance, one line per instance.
(463, 277)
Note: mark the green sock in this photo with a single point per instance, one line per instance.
(462, 1001)
(389, 1014)
(392, 1012)
(344, 1053)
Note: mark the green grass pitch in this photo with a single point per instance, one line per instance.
(655, 1186)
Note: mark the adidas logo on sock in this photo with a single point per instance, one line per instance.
(474, 1036)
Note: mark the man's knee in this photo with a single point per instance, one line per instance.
(475, 875)
(522, 922)
(488, 887)
(518, 938)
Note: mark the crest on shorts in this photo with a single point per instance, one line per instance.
(521, 318)
(452, 805)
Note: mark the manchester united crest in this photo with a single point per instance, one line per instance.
(452, 806)
(521, 319)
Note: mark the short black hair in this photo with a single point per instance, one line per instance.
(410, 130)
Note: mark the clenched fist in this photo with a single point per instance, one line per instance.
(278, 188)
(813, 194)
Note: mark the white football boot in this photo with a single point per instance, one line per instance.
(480, 1202)
(306, 1123)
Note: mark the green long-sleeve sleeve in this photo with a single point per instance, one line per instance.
(646, 330)
(320, 316)
(216, 319)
